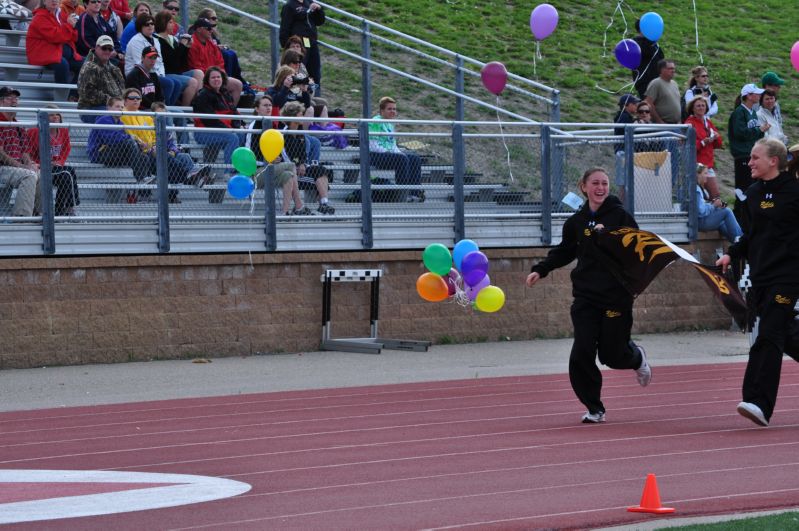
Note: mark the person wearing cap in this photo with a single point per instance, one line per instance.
(769, 244)
(99, 79)
(17, 169)
(91, 26)
(145, 38)
(628, 104)
(204, 53)
(771, 81)
(743, 130)
(767, 114)
(143, 78)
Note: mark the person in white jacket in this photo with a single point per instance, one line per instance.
(766, 114)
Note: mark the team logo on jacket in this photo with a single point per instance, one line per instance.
(611, 314)
(766, 204)
(587, 232)
(782, 299)
(646, 243)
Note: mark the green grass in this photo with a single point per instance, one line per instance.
(776, 522)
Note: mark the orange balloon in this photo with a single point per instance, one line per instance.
(432, 287)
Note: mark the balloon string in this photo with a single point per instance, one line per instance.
(502, 135)
(605, 34)
(536, 55)
(696, 31)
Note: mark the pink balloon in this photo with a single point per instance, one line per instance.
(472, 291)
(795, 56)
(543, 21)
(452, 281)
(494, 77)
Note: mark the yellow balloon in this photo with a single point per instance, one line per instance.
(271, 144)
(490, 299)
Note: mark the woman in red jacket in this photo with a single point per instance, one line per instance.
(51, 43)
(64, 179)
(707, 140)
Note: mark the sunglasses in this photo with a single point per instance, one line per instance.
(151, 23)
(643, 111)
(107, 48)
(213, 18)
(173, 8)
(133, 97)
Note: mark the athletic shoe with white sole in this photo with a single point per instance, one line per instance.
(593, 418)
(643, 373)
(752, 412)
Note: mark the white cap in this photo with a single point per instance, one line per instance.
(751, 88)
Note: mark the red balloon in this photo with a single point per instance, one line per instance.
(494, 77)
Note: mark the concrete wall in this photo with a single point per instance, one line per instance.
(56, 311)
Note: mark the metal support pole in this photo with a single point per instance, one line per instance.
(366, 70)
(366, 187)
(269, 198)
(459, 87)
(689, 184)
(184, 15)
(629, 170)
(459, 165)
(546, 186)
(46, 183)
(162, 180)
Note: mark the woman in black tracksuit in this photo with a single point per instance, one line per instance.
(602, 309)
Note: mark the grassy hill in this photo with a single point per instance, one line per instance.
(738, 41)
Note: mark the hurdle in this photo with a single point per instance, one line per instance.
(365, 345)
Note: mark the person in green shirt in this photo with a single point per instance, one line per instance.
(385, 154)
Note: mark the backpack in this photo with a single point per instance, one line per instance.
(337, 141)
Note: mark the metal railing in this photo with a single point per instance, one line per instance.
(512, 198)
(460, 66)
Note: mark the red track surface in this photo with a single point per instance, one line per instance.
(500, 453)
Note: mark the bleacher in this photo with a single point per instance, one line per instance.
(102, 188)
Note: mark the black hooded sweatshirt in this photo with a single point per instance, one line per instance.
(591, 280)
(771, 244)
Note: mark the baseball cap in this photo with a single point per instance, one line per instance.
(771, 78)
(203, 23)
(750, 88)
(104, 40)
(627, 99)
(6, 91)
(149, 51)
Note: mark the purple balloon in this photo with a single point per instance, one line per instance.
(543, 21)
(494, 76)
(474, 268)
(472, 291)
(628, 53)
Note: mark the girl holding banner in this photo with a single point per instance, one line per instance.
(602, 309)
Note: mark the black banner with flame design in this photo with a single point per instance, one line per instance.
(636, 257)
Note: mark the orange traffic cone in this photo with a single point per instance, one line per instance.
(650, 499)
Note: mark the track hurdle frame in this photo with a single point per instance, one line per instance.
(366, 345)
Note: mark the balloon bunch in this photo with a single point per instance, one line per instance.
(461, 276)
(242, 185)
(627, 51)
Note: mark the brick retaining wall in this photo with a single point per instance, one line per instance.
(66, 311)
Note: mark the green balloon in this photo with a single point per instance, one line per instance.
(243, 160)
(437, 259)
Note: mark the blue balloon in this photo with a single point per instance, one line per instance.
(652, 26)
(461, 249)
(240, 186)
(628, 54)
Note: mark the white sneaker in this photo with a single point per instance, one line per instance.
(593, 418)
(643, 373)
(752, 412)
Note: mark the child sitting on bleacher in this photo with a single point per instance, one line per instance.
(64, 178)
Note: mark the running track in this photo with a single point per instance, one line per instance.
(499, 453)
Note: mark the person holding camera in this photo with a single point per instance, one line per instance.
(290, 86)
(301, 18)
(699, 86)
(708, 139)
